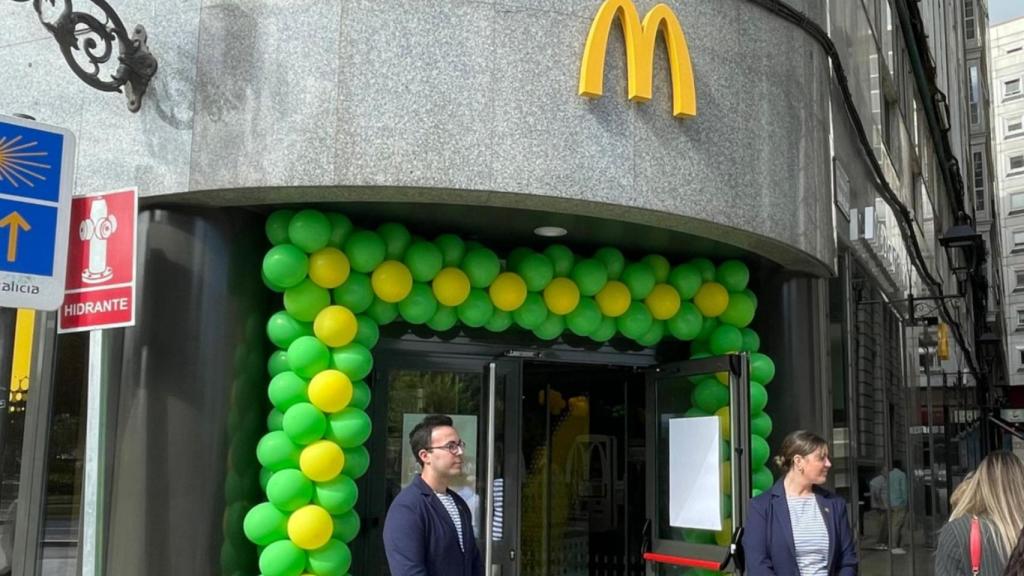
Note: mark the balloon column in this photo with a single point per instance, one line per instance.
(340, 283)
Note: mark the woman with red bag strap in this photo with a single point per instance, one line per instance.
(987, 516)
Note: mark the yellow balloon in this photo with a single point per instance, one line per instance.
(321, 461)
(391, 281)
(562, 296)
(310, 527)
(335, 326)
(613, 299)
(723, 421)
(726, 478)
(451, 286)
(330, 391)
(328, 268)
(508, 291)
(663, 302)
(711, 299)
(724, 536)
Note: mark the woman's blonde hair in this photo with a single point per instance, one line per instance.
(798, 443)
(996, 492)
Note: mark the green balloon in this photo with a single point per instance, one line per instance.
(725, 340)
(346, 526)
(660, 265)
(424, 260)
(367, 331)
(613, 261)
(759, 451)
(551, 328)
(286, 390)
(750, 294)
(561, 258)
(605, 330)
(733, 274)
(304, 423)
(265, 474)
(537, 271)
(356, 293)
(452, 248)
(751, 341)
(585, 319)
(700, 347)
(653, 335)
(357, 462)
(473, 245)
(726, 506)
(285, 265)
(309, 230)
(695, 536)
(532, 313)
(709, 395)
(332, 558)
(762, 369)
(739, 312)
(349, 427)
(275, 420)
(636, 321)
(695, 412)
(276, 226)
(353, 359)
(707, 328)
(686, 279)
(444, 319)
(706, 267)
(282, 329)
(515, 257)
(289, 490)
(305, 300)
(477, 309)
(761, 425)
(341, 228)
(277, 363)
(419, 306)
(758, 397)
(726, 451)
(265, 524)
(307, 356)
(382, 312)
(762, 479)
(687, 323)
(590, 276)
(396, 239)
(365, 250)
(337, 495)
(266, 282)
(639, 278)
(361, 395)
(499, 321)
(276, 451)
(282, 558)
(481, 266)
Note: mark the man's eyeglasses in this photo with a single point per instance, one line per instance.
(455, 448)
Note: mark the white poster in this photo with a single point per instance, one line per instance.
(694, 494)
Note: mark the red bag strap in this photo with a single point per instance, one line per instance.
(975, 546)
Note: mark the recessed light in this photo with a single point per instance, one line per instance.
(550, 231)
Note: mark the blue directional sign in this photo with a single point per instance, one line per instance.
(36, 166)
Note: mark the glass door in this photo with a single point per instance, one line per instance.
(502, 474)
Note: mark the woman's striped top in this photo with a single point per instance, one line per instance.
(810, 536)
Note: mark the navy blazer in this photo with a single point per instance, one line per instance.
(768, 535)
(420, 537)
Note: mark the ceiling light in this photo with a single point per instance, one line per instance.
(550, 231)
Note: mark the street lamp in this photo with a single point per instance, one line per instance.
(962, 238)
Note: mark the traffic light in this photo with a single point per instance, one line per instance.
(942, 349)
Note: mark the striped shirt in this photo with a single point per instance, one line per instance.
(810, 536)
(953, 554)
(453, 511)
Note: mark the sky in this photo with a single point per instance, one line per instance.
(1000, 11)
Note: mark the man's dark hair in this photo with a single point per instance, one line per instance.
(421, 435)
(897, 463)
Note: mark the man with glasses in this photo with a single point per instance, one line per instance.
(428, 529)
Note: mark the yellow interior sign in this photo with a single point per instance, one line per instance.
(21, 363)
(640, 38)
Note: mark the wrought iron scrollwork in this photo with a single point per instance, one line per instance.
(87, 41)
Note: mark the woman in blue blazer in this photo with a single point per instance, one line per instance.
(798, 528)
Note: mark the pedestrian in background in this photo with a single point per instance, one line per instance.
(994, 496)
(798, 528)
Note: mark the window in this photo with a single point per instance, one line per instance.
(1016, 164)
(1018, 240)
(973, 90)
(1020, 319)
(1014, 126)
(969, 27)
(1019, 286)
(978, 162)
(1017, 202)
(1011, 88)
(1021, 353)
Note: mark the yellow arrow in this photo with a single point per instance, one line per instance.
(15, 221)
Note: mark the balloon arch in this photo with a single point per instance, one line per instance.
(340, 283)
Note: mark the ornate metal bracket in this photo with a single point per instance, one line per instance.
(87, 43)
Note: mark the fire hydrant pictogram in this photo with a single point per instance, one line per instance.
(95, 230)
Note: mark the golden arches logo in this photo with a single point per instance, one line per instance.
(641, 39)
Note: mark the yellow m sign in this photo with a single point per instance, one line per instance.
(640, 39)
